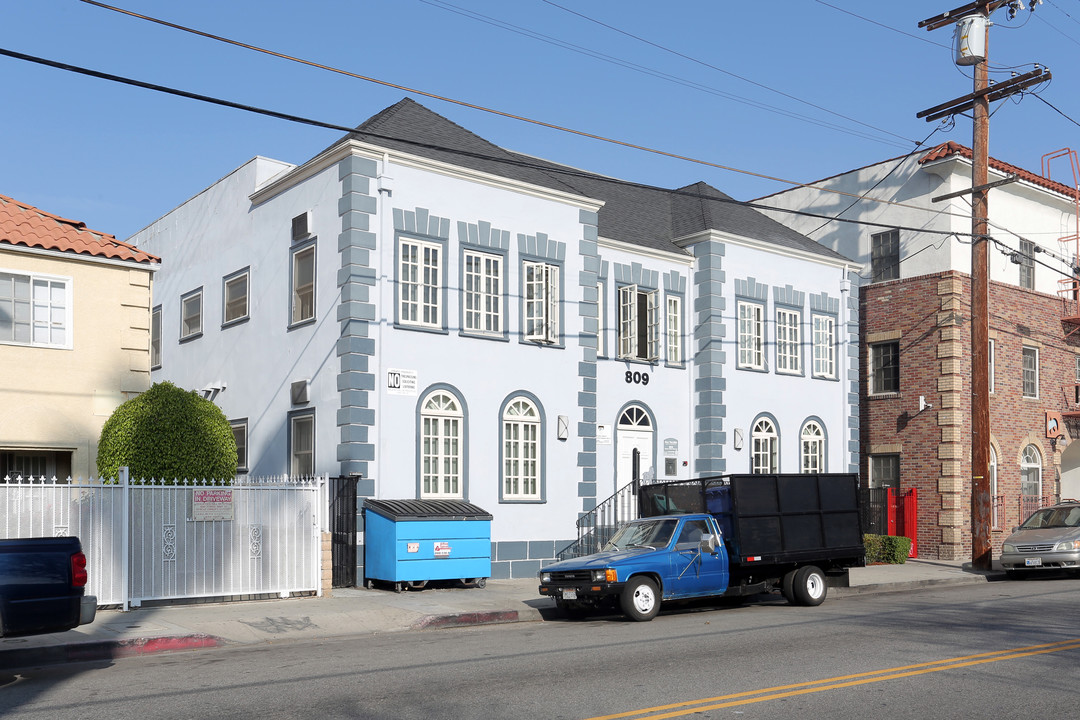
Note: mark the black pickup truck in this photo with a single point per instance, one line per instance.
(43, 586)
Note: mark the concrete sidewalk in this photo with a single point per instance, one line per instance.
(355, 611)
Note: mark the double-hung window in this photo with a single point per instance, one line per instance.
(521, 451)
(751, 335)
(302, 444)
(885, 367)
(788, 341)
(1030, 371)
(240, 433)
(764, 450)
(155, 338)
(303, 284)
(234, 297)
(812, 448)
(1027, 264)
(884, 471)
(419, 283)
(483, 285)
(191, 314)
(35, 310)
(824, 346)
(885, 256)
(639, 324)
(674, 330)
(541, 302)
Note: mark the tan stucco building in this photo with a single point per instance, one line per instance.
(74, 338)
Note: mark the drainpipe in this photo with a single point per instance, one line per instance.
(385, 189)
(842, 364)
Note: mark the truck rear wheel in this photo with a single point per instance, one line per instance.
(787, 586)
(640, 599)
(808, 586)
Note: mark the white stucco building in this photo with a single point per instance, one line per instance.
(449, 319)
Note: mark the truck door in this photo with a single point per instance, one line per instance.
(693, 572)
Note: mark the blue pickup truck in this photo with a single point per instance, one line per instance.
(728, 536)
(43, 586)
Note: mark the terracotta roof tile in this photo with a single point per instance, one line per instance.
(26, 225)
(952, 148)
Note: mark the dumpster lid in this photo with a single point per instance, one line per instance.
(427, 509)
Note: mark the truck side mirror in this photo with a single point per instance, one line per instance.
(709, 543)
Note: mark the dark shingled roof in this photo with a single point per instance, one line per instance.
(632, 213)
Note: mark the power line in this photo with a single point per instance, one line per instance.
(514, 161)
(482, 108)
(716, 68)
(589, 52)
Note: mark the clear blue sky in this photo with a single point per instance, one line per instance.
(842, 79)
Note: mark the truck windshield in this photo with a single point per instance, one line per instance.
(643, 533)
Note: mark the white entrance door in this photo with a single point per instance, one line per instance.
(635, 439)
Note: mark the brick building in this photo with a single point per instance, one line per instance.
(915, 341)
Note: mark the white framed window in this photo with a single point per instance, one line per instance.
(788, 341)
(751, 335)
(824, 346)
(302, 302)
(240, 434)
(234, 297)
(541, 316)
(155, 338)
(674, 330)
(764, 447)
(1030, 371)
(991, 359)
(35, 310)
(1031, 472)
(521, 451)
(639, 324)
(419, 283)
(995, 502)
(601, 320)
(812, 448)
(441, 446)
(191, 314)
(302, 444)
(482, 291)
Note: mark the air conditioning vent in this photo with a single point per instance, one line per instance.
(301, 229)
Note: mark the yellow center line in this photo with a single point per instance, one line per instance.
(814, 686)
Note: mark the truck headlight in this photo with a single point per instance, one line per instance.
(1068, 546)
(1009, 548)
(606, 575)
(545, 577)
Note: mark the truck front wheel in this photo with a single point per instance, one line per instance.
(640, 599)
(808, 586)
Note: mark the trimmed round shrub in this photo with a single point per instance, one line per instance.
(169, 434)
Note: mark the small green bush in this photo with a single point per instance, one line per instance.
(889, 549)
(167, 433)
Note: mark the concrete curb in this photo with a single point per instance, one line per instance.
(105, 650)
(495, 617)
(907, 585)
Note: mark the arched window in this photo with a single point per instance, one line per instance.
(1031, 472)
(812, 447)
(764, 442)
(521, 450)
(635, 418)
(441, 446)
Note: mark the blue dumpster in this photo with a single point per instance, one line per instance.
(409, 542)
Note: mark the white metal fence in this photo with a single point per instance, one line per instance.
(147, 540)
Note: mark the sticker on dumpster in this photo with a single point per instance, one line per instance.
(414, 547)
(442, 549)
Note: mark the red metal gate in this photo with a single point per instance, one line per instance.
(903, 516)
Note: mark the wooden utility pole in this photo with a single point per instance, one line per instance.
(979, 104)
(981, 552)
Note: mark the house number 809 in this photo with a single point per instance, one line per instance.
(637, 378)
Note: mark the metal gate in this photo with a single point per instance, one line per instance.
(888, 511)
(343, 530)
